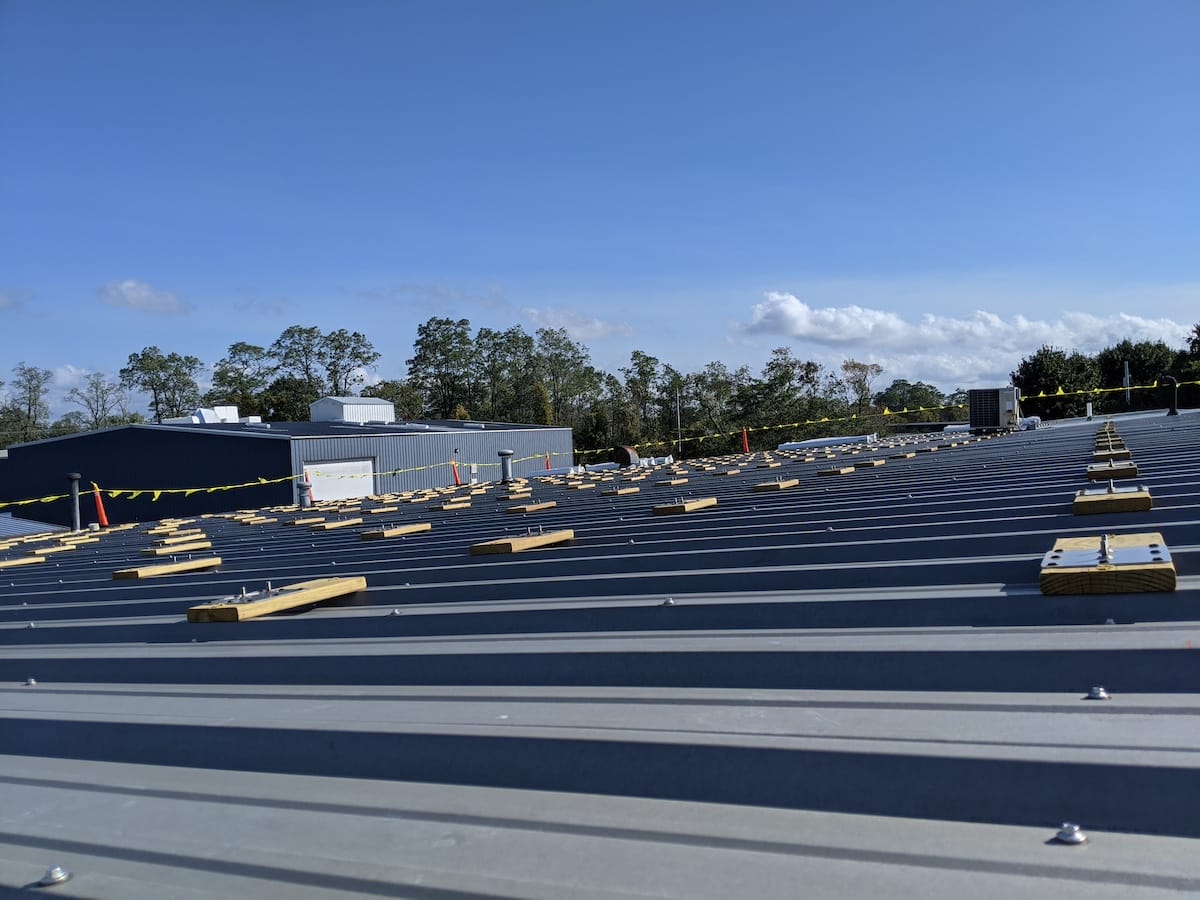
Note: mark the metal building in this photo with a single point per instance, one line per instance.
(177, 470)
(362, 410)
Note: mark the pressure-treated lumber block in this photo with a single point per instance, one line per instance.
(927, 449)
(1112, 500)
(306, 520)
(260, 520)
(188, 565)
(782, 485)
(180, 539)
(517, 543)
(177, 548)
(620, 491)
(533, 507)
(844, 470)
(1112, 469)
(263, 603)
(514, 495)
(909, 455)
(671, 482)
(337, 523)
(1107, 454)
(1108, 564)
(57, 548)
(21, 561)
(581, 486)
(451, 505)
(869, 463)
(727, 472)
(76, 540)
(397, 531)
(684, 506)
(380, 510)
(768, 464)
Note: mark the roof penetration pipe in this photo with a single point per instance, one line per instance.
(505, 465)
(830, 441)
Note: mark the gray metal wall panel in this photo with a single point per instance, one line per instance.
(422, 460)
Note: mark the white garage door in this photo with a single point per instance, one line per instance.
(342, 479)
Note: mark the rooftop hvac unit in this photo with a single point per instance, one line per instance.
(992, 409)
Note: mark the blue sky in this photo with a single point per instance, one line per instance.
(936, 186)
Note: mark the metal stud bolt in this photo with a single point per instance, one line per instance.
(1070, 833)
(54, 875)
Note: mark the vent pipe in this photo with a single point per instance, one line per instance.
(506, 474)
(73, 477)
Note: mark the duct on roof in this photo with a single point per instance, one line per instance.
(352, 409)
(829, 442)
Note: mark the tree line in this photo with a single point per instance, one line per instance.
(548, 378)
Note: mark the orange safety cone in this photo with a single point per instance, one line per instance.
(454, 469)
(745, 441)
(101, 516)
(547, 462)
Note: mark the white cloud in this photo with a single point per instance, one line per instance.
(134, 294)
(579, 326)
(952, 351)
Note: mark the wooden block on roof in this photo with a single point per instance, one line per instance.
(909, 455)
(533, 507)
(728, 472)
(260, 520)
(684, 506)
(1112, 500)
(844, 470)
(869, 463)
(769, 464)
(518, 543)
(1113, 469)
(619, 491)
(53, 549)
(927, 449)
(181, 539)
(177, 548)
(671, 482)
(263, 603)
(451, 505)
(337, 523)
(1106, 455)
(782, 485)
(581, 486)
(174, 568)
(1108, 564)
(306, 520)
(514, 495)
(76, 540)
(380, 510)
(21, 561)
(397, 531)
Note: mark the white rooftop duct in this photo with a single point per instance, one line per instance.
(829, 442)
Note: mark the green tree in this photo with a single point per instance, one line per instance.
(287, 399)
(571, 380)
(297, 353)
(860, 379)
(102, 399)
(1147, 361)
(169, 379)
(441, 364)
(345, 355)
(922, 401)
(1050, 369)
(240, 378)
(640, 377)
(27, 416)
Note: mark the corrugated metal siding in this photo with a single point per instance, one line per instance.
(335, 409)
(149, 459)
(422, 459)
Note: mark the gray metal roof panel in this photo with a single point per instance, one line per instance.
(858, 688)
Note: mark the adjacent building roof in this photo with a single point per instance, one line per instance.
(850, 686)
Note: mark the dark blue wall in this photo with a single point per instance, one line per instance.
(144, 458)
